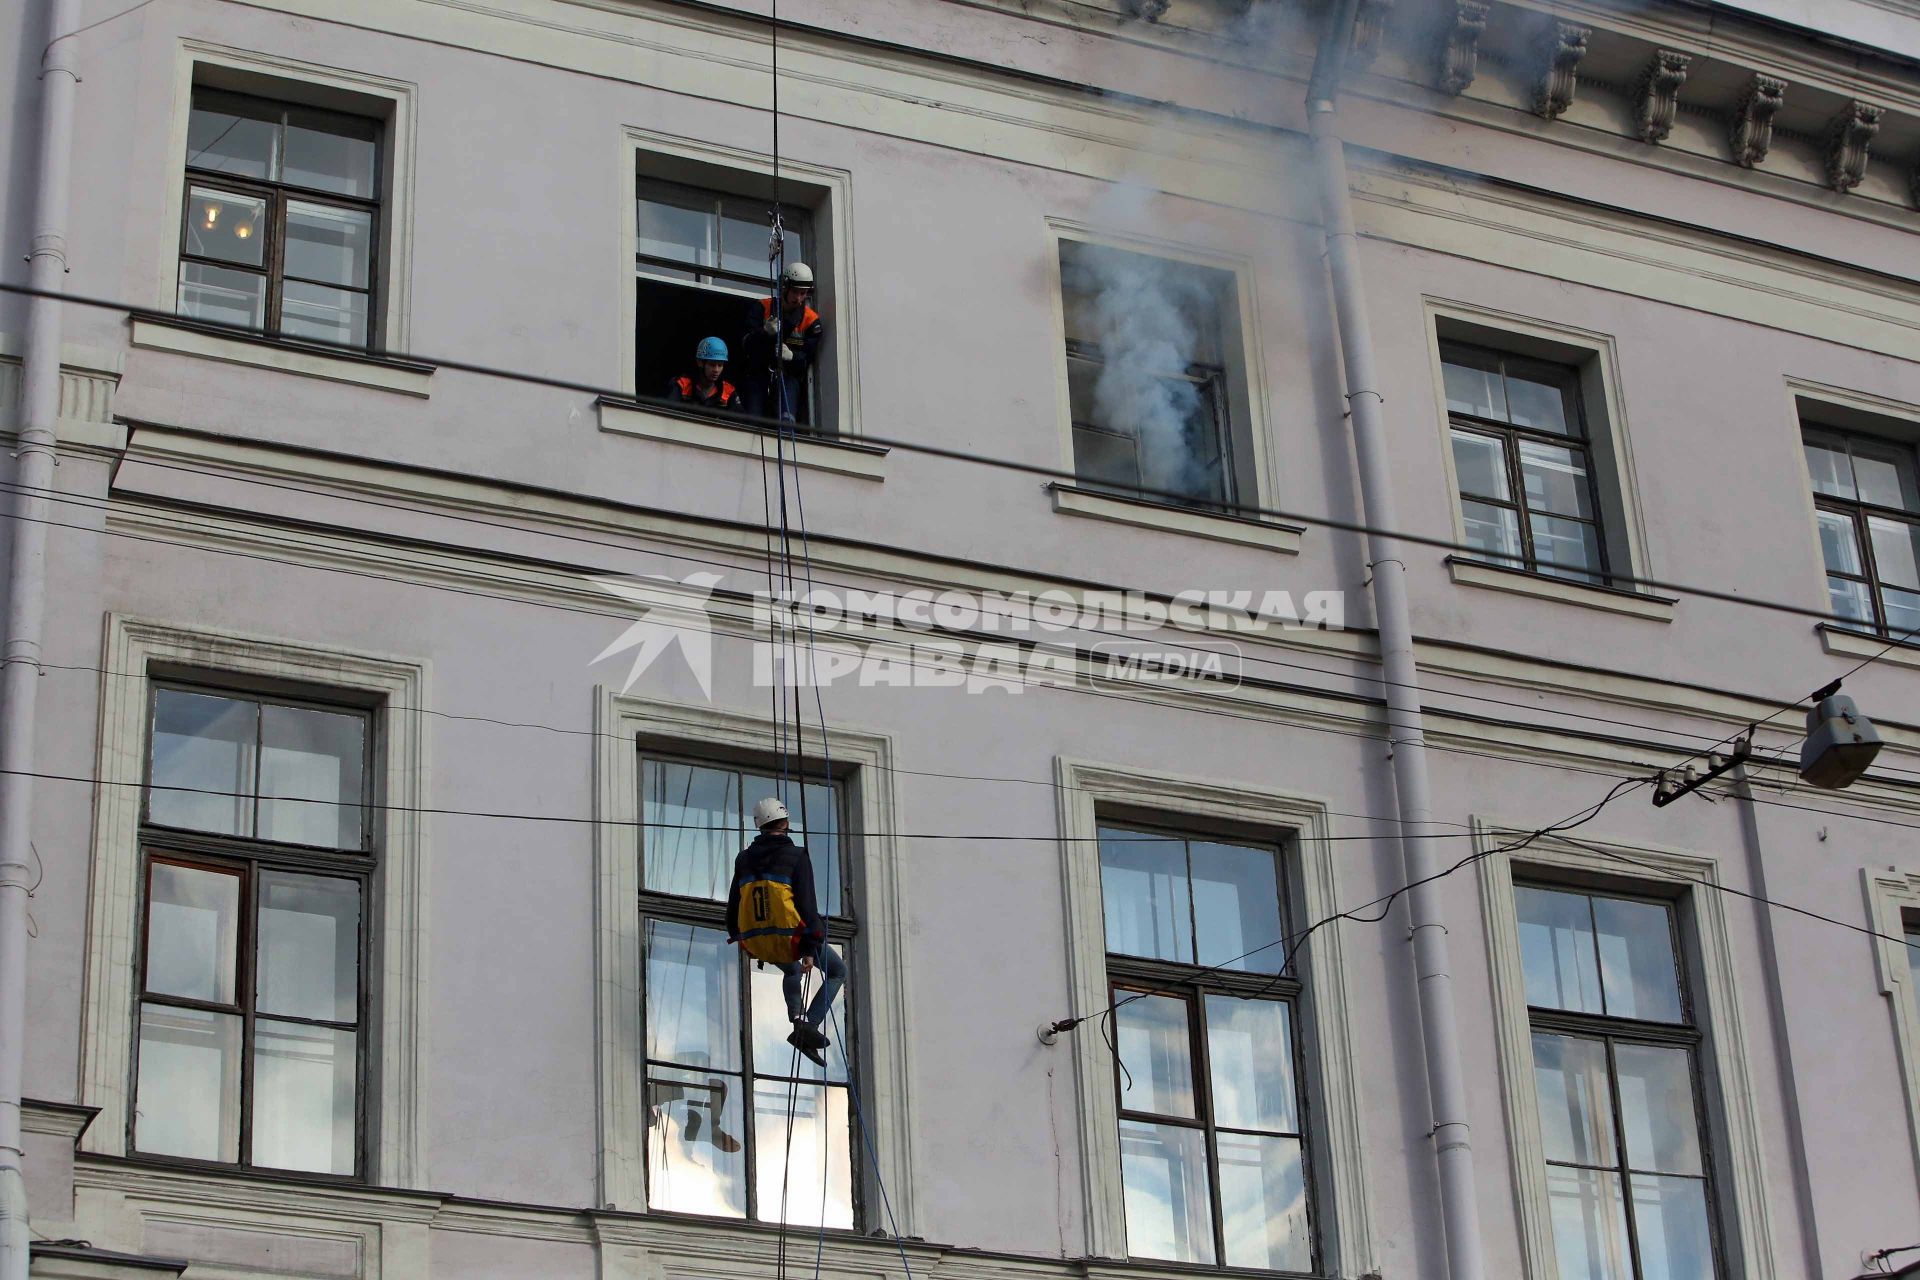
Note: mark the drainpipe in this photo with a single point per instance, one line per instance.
(26, 605)
(1452, 1135)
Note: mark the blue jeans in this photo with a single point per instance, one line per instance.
(833, 975)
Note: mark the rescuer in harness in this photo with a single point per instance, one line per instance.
(788, 342)
(772, 915)
(708, 390)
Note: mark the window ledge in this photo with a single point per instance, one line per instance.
(1852, 642)
(742, 438)
(184, 337)
(1634, 604)
(1269, 535)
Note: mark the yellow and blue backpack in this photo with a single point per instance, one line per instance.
(767, 919)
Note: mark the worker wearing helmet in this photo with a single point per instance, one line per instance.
(707, 390)
(773, 916)
(779, 348)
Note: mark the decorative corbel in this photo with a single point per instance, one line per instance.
(1561, 46)
(1147, 10)
(1369, 26)
(1658, 95)
(1848, 137)
(1460, 46)
(1752, 133)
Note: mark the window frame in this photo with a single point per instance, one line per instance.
(278, 196)
(1893, 899)
(249, 856)
(1858, 512)
(1613, 1031)
(1192, 984)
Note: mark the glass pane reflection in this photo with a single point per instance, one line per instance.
(1250, 1050)
(696, 1160)
(1168, 1202)
(193, 921)
(693, 996)
(303, 1096)
(1263, 1203)
(187, 1095)
(1156, 1051)
(1589, 1225)
(812, 1175)
(1143, 884)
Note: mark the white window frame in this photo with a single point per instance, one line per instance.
(1247, 399)
(1894, 900)
(884, 1067)
(397, 1018)
(393, 103)
(1336, 1142)
(1597, 362)
(1738, 1158)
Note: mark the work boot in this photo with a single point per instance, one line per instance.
(809, 1040)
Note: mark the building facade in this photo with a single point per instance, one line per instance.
(409, 666)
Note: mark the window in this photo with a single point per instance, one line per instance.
(281, 218)
(721, 1080)
(702, 265)
(1149, 388)
(1867, 501)
(1524, 461)
(1615, 1060)
(1212, 1132)
(257, 854)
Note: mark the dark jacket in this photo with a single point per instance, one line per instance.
(722, 396)
(800, 328)
(783, 857)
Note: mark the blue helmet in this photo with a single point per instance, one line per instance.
(710, 349)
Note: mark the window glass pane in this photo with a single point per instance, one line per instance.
(228, 134)
(1913, 967)
(1263, 1203)
(1143, 885)
(226, 226)
(1828, 465)
(193, 921)
(696, 1150)
(1557, 951)
(330, 245)
(1156, 1051)
(1849, 599)
(1492, 531)
(1885, 475)
(1838, 544)
(303, 1096)
(811, 1173)
(671, 230)
(743, 243)
(323, 314)
(222, 295)
(312, 776)
(1473, 383)
(693, 996)
(1637, 967)
(309, 947)
(1556, 479)
(1103, 458)
(1169, 1205)
(1670, 1221)
(1656, 1108)
(1236, 906)
(695, 826)
(1481, 464)
(187, 1100)
(1576, 1109)
(1566, 547)
(203, 743)
(1894, 552)
(1903, 611)
(1590, 1225)
(328, 152)
(1538, 398)
(1250, 1051)
(772, 1055)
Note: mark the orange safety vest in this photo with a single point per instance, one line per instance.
(687, 390)
(808, 316)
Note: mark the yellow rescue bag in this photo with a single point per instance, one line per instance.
(769, 922)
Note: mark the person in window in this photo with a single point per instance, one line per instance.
(773, 916)
(707, 389)
(786, 342)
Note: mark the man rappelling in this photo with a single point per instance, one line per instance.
(778, 351)
(773, 915)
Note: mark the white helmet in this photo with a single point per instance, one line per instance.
(797, 273)
(767, 812)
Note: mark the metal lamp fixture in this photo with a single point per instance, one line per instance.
(1841, 742)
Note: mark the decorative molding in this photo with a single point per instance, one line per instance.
(1658, 94)
(1542, 586)
(1369, 32)
(88, 379)
(408, 377)
(742, 439)
(397, 1048)
(1338, 1139)
(1269, 535)
(1460, 46)
(1146, 10)
(620, 722)
(1850, 642)
(1893, 907)
(1560, 47)
(1849, 138)
(1737, 1149)
(1752, 134)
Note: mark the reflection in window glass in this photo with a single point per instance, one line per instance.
(188, 1089)
(1589, 1224)
(693, 996)
(696, 1161)
(1168, 1202)
(1263, 1203)
(1156, 1048)
(1637, 967)
(1250, 1050)
(202, 767)
(193, 922)
(1556, 950)
(309, 951)
(312, 776)
(1236, 906)
(812, 1174)
(303, 1097)
(1143, 883)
